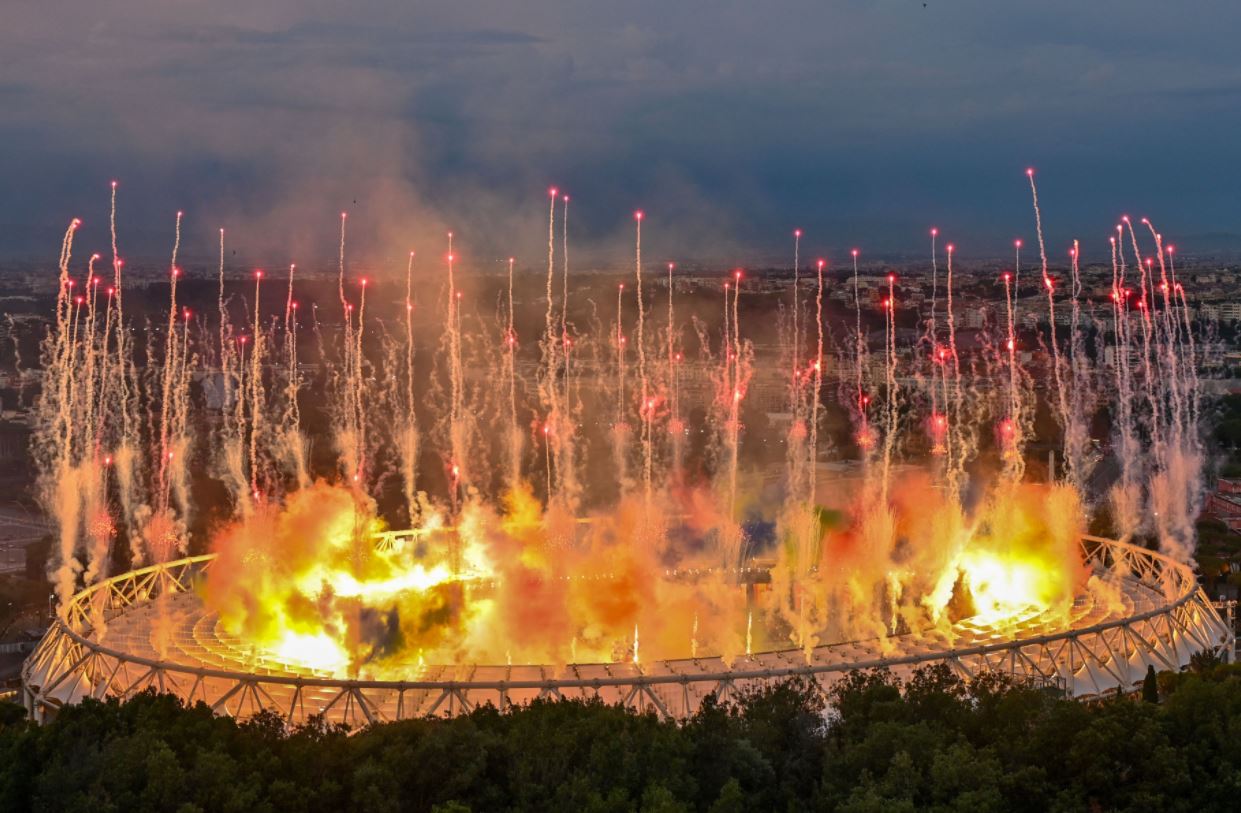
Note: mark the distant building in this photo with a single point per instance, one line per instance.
(975, 317)
(1225, 502)
(1223, 311)
(1111, 356)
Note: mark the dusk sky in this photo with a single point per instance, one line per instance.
(730, 123)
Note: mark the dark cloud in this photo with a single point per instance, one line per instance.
(730, 122)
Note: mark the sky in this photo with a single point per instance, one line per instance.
(729, 123)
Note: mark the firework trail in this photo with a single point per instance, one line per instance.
(1176, 485)
(510, 370)
(1014, 430)
(796, 353)
(182, 442)
(547, 456)
(621, 428)
(169, 373)
(290, 434)
(351, 383)
(69, 385)
(359, 386)
(63, 355)
(1194, 442)
(725, 400)
(72, 478)
(1011, 427)
(727, 346)
(564, 275)
(551, 264)
(100, 529)
(1153, 360)
(61, 491)
(408, 437)
(233, 401)
(797, 427)
(347, 434)
(645, 405)
(1154, 419)
(1170, 325)
(168, 527)
(864, 437)
(564, 430)
(1065, 417)
(1124, 495)
(816, 397)
(1148, 369)
(92, 350)
(889, 440)
(1016, 279)
(126, 456)
(1081, 397)
(938, 422)
(102, 400)
(735, 547)
(99, 525)
(345, 308)
(1190, 346)
(1171, 341)
(808, 545)
(796, 440)
(552, 340)
(956, 441)
(460, 475)
(243, 406)
(675, 428)
(255, 392)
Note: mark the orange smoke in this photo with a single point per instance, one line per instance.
(520, 583)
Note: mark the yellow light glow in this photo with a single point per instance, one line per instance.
(1004, 588)
(318, 651)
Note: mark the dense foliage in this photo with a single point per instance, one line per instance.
(934, 743)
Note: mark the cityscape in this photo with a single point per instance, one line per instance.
(551, 412)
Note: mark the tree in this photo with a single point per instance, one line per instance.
(933, 743)
(1150, 686)
(1205, 661)
(731, 799)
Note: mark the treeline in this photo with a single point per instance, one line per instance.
(873, 744)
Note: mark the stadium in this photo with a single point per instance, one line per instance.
(1159, 617)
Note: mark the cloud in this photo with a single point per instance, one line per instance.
(860, 119)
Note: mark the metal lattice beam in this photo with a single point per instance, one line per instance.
(76, 660)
